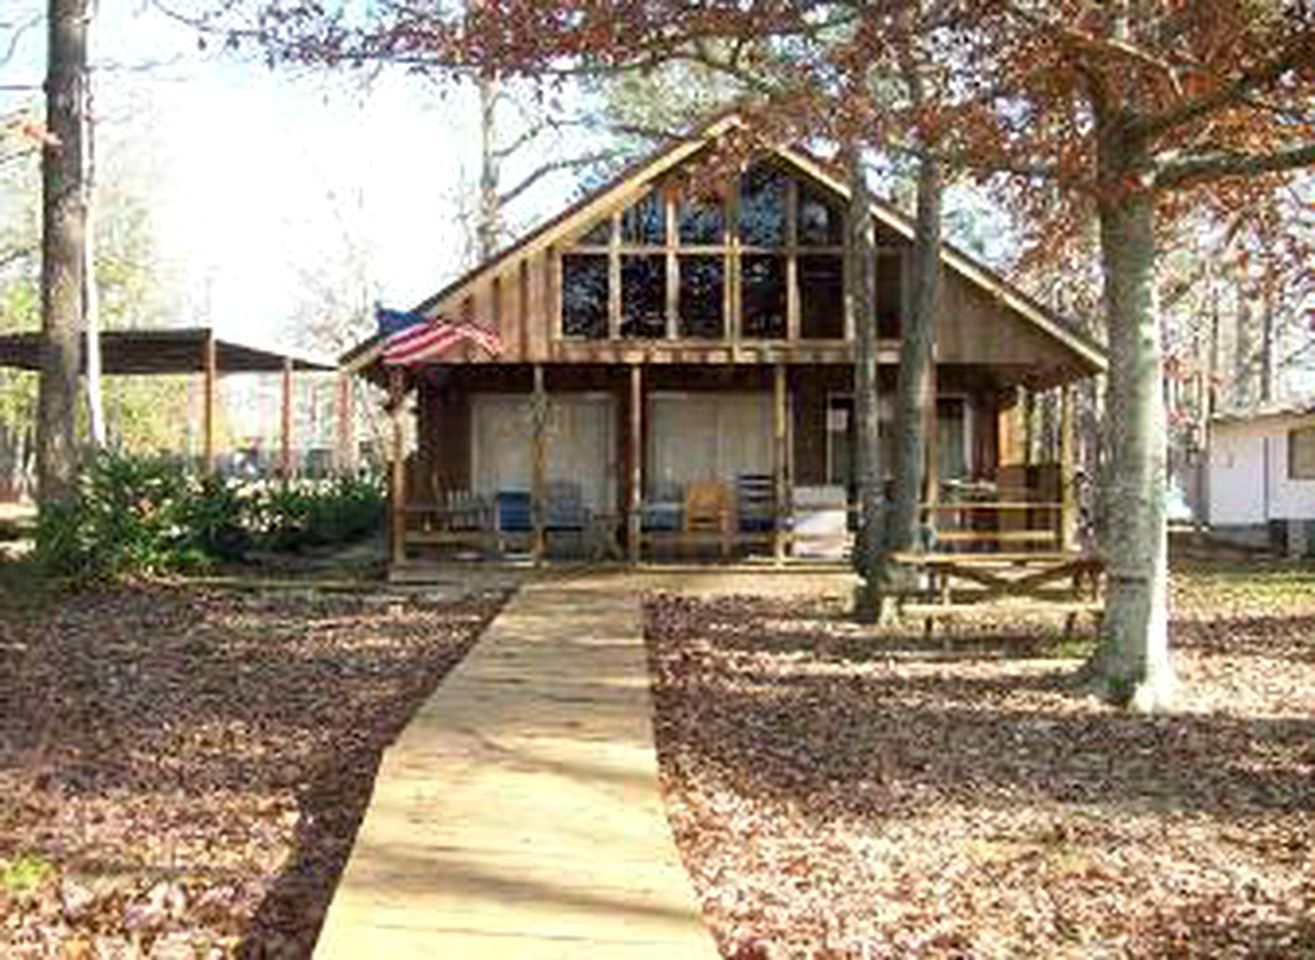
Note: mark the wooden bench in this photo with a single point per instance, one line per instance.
(459, 520)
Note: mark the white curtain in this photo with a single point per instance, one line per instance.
(707, 436)
(580, 445)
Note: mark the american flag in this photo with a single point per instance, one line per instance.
(413, 339)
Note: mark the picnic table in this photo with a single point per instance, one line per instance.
(1059, 581)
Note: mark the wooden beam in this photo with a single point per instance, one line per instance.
(932, 482)
(673, 264)
(614, 307)
(210, 363)
(1068, 513)
(539, 419)
(731, 223)
(397, 467)
(792, 259)
(780, 401)
(285, 423)
(636, 463)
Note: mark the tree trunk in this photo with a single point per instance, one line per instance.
(860, 294)
(489, 228)
(1132, 664)
(1268, 337)
(63, 234)
(90, 292)
(917, 355)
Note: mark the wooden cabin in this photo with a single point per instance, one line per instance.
(676, 371)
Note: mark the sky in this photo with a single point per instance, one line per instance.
(261, 182)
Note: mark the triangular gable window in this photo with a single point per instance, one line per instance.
(764, 261)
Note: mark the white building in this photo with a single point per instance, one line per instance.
(1262, 473)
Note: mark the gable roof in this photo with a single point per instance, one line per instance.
(598, 201)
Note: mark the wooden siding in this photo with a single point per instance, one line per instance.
(973, 328)
(981, 321)
(443, 459)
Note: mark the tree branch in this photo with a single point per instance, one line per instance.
(552, 166)
(1229, 163)
(1300, 52)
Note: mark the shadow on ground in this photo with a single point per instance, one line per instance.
(979, 754)
(221, 744)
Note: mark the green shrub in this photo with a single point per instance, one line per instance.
(126, 518)
(143, 516)
(215, 518)
(296, 517)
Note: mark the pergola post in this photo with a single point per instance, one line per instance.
(397, 468)
(210, 377)
(346, 425)
(285, 425)
(539, 418)
(780, 413)
(1068, 513)
(635, 491)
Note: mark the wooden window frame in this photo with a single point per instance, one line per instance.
(731, 249)
(1293, 472)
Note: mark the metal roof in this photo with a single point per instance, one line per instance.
(165, 351)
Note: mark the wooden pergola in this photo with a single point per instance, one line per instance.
(198, 350)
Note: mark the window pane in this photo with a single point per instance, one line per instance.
(1301, 454)
(702, 292)
(599, 235)
(644, 296)
(820, 221)
(762, 296)
(584, 295)
(890, 294)
(762, 207)
(701, 221)
(951, 438)
(822, 295)
(645, 222)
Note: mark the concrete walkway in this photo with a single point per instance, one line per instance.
(518, 815)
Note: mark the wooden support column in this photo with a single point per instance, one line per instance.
(931, 477)
(285, 431)
(397, 467)
(210, 368)
(539, 418)
(1068, 494)
(780, 413)
(346, 425)
(792, 306)
(634, 508)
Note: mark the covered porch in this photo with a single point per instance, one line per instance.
(667, 461)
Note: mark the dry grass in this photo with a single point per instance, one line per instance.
(843, 794)
(183, 771)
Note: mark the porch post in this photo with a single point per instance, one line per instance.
(932, 485)
(539, 417)
(1068, 514)
(285, 431)
(636, 486)
(346, 425)
(779, 454)
(210, 367)
(397, 468)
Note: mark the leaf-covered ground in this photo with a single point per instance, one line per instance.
(182, 771)
(840, 794)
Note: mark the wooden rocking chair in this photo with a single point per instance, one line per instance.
(709, 513)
